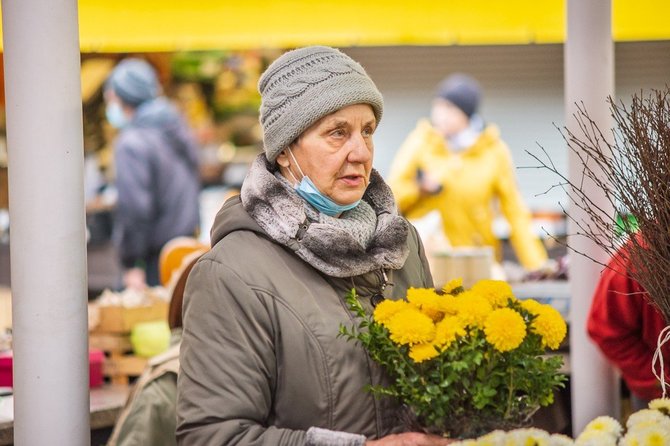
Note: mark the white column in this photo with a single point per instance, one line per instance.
(47, 218)
(589, 78)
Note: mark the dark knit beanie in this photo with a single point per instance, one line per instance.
(306, 84)
(134, 81)
(461, 90)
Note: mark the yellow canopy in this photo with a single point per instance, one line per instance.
(171, 25)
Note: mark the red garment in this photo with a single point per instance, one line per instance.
(626, 327)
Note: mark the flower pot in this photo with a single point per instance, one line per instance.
(469, 425)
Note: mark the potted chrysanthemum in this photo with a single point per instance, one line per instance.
(463, 362)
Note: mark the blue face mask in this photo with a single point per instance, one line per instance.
(115, 115)
(308, 191)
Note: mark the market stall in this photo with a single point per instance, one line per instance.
(55, 185)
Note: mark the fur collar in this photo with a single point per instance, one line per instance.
(331, 250)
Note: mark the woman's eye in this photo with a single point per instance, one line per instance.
(338, 133)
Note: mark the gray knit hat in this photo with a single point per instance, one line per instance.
(306, 84)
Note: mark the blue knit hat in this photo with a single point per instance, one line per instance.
(461, 90)
(134, 81)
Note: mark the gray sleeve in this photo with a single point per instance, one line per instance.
(226, 379)
(324, 437)
(135, 205)
(427, 276)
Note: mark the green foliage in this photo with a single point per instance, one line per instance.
(470, 388)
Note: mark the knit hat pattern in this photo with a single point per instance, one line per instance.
(306, 84)
(134, 81)
(461, 90)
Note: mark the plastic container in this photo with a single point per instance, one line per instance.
(6, 369)
(96, 361)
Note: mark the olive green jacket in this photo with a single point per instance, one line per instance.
(148, 418)
(261, 359)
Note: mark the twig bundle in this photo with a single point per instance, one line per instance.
(632, 170)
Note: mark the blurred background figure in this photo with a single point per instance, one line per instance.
(625, 326)
(456, 171)
(156, 170)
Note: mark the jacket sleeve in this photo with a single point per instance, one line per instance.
(403, 174)
(135, 199)
(615, 324)
(527, 245)
(228, 368)
(151, 420)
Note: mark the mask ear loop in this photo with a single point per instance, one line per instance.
(663, 338)
(296, 165)
(293, 176)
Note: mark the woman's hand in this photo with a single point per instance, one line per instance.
(410, 439)
(427, 184)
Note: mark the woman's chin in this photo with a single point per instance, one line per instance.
(349, 193)
(348, 199)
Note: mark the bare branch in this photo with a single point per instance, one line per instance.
(631, 169)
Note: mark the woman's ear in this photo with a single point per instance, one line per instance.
(282, 159)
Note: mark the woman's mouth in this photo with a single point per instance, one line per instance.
(353, 180)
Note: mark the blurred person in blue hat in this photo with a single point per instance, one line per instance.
(156, 170)
(457, 165)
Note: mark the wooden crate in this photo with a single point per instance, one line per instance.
(120, 362)
(120, 320)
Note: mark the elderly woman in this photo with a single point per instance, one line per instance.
(261, 360)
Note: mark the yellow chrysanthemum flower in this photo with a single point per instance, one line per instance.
(497, 292)
(451, 286)
(465, 443)
(651, 436)
(531, 305)
(560, 440)
(645, 422)
(422, 352)
(644, 418)
(605, 424)
(630, 439)
(426, 300)
(505, 329)
(492, 438)
(410, 326)
(655, 437)
(550, 325)
(660, 404)
(448, 305)
(387, 309)
(472, 309)
(447, 330)
(595, 438)
(525, 437)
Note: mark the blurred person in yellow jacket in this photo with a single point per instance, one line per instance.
(459, 166)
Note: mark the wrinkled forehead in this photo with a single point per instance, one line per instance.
(363, 113)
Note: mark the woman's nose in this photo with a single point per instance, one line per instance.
(361, 149)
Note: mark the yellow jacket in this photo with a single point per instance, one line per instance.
(472, 182)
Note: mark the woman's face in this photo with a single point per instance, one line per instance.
(447, 118)
(335, 153)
